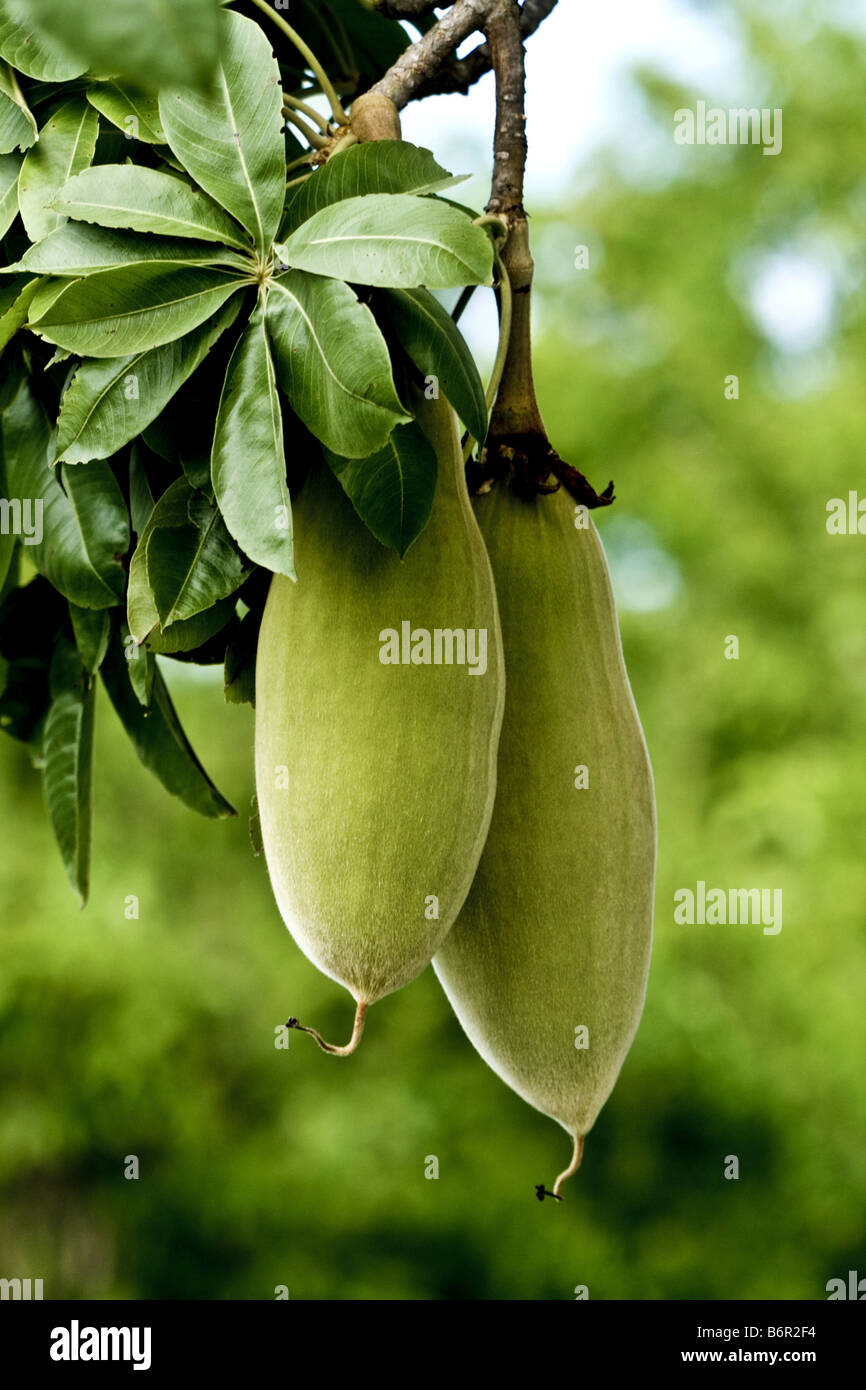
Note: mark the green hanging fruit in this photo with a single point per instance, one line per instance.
(546, 967)
(379, 698)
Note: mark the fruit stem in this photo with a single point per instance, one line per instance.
(332, 1048)
(572, 1167)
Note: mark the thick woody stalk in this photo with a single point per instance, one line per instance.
(517, 441)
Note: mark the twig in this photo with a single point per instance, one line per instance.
(459, 74)
(426, 56)
(517, 441)
(509, 141)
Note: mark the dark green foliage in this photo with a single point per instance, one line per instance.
(168, 368)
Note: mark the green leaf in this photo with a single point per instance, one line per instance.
(67, 751)
(185, 562)
(67, 143)
(10, 167)
(191, 633)
(140, 667)
(376, 166)
(393, 240)
(231, 140)
(248, 462)
(116, 312)
(140, 495)
(92, 628)
(59, 356)
(10, 289)
(240, 661)
(192, 568)
(142, 614)
(332, 362)
(85, 529)
(18, 129)
(392, 491)
(14, 316)
(77, 248)
(111, 400)
(438, 348)
(45, 292)
(153, 41)
(132, 111)
(146, 200)
(29, 51)
(159, 740)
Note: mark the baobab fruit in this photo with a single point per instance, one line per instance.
(379, 699)
(546, 967)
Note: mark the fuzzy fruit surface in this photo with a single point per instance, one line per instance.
(557, 929)
(391, 768)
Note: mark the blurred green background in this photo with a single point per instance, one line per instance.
(155, 1037)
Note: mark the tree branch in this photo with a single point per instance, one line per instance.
(424, 58)
(459, 74)
(517, 441)
(509, 141)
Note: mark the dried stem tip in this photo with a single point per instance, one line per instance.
(332, 1048)
(572, 1167)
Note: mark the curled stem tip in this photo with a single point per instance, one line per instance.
(572, 1167)
(332, 1048)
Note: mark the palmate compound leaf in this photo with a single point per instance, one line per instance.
(146, 200)
(159, 739)
(230, 140)
(79, 248)
(184, 563)
(393, 240)
(67, 143)
(111, 400)
(332, 362)
(118, 312)
(248, 461)
(80, 530)
(67, 752)
(376, 166)
(18, 129)
(29, 51)
(392, 491)
(438, 348)
(153, 41)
